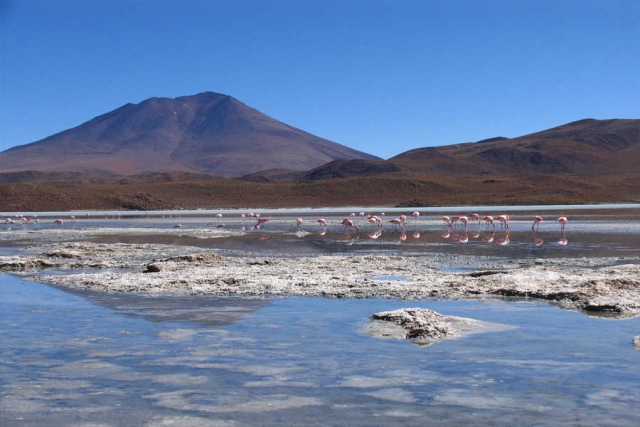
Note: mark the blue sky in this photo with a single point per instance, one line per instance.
(379, 76)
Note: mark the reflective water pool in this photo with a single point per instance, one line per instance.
(87, 359)
(601, 232)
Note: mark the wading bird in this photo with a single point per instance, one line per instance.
(349, 224)
(504, 221)
(489, 220)
(260, 222)
(563, 222)
(536, 222)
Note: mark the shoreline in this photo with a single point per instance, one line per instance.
(589, 285)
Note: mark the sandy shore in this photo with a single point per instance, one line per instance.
(594, 285)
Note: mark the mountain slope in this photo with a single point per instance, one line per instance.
(585, 147)
(205, 133)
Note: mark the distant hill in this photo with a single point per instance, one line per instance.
(585, 147)
(588, 161)
(206, 133)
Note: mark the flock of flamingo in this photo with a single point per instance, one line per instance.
(461, 227)
(472, 222)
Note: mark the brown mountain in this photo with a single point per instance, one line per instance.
(585, 147)
(589, 161)
(205, 133)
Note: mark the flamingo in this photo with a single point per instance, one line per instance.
(415, 215)
(321, 222)
(260, 222)
(463, 220)
(349, 224)
(59, 222)
(475, 217)
(504, 221)
(489, 220)
(397, 221)
(538, 219)
(375, 221)
(299, 223)
(447, 221)
(563, 222)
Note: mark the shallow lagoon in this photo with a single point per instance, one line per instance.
(86, 358)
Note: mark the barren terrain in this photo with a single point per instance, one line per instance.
(588, 284)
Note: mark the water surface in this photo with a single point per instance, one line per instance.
(86, 358)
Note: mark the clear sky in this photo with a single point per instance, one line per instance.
(381, 76)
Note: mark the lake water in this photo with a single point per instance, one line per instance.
(91, 359)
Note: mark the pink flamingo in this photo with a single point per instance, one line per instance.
(489, 220)
(463, 220)
(536, 222)
(563, 222)
(260, 222)
(415, 216)
(349, 224)
(504, 221)
(447, 221)
(59, 222)
(299, 223)
(475, 217)
(398, 222)
(321, 222)
(374, 220)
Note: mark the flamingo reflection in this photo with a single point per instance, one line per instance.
(563, 239)
(536, 240)
(505, 240)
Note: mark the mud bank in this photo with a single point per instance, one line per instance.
(580, 284)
